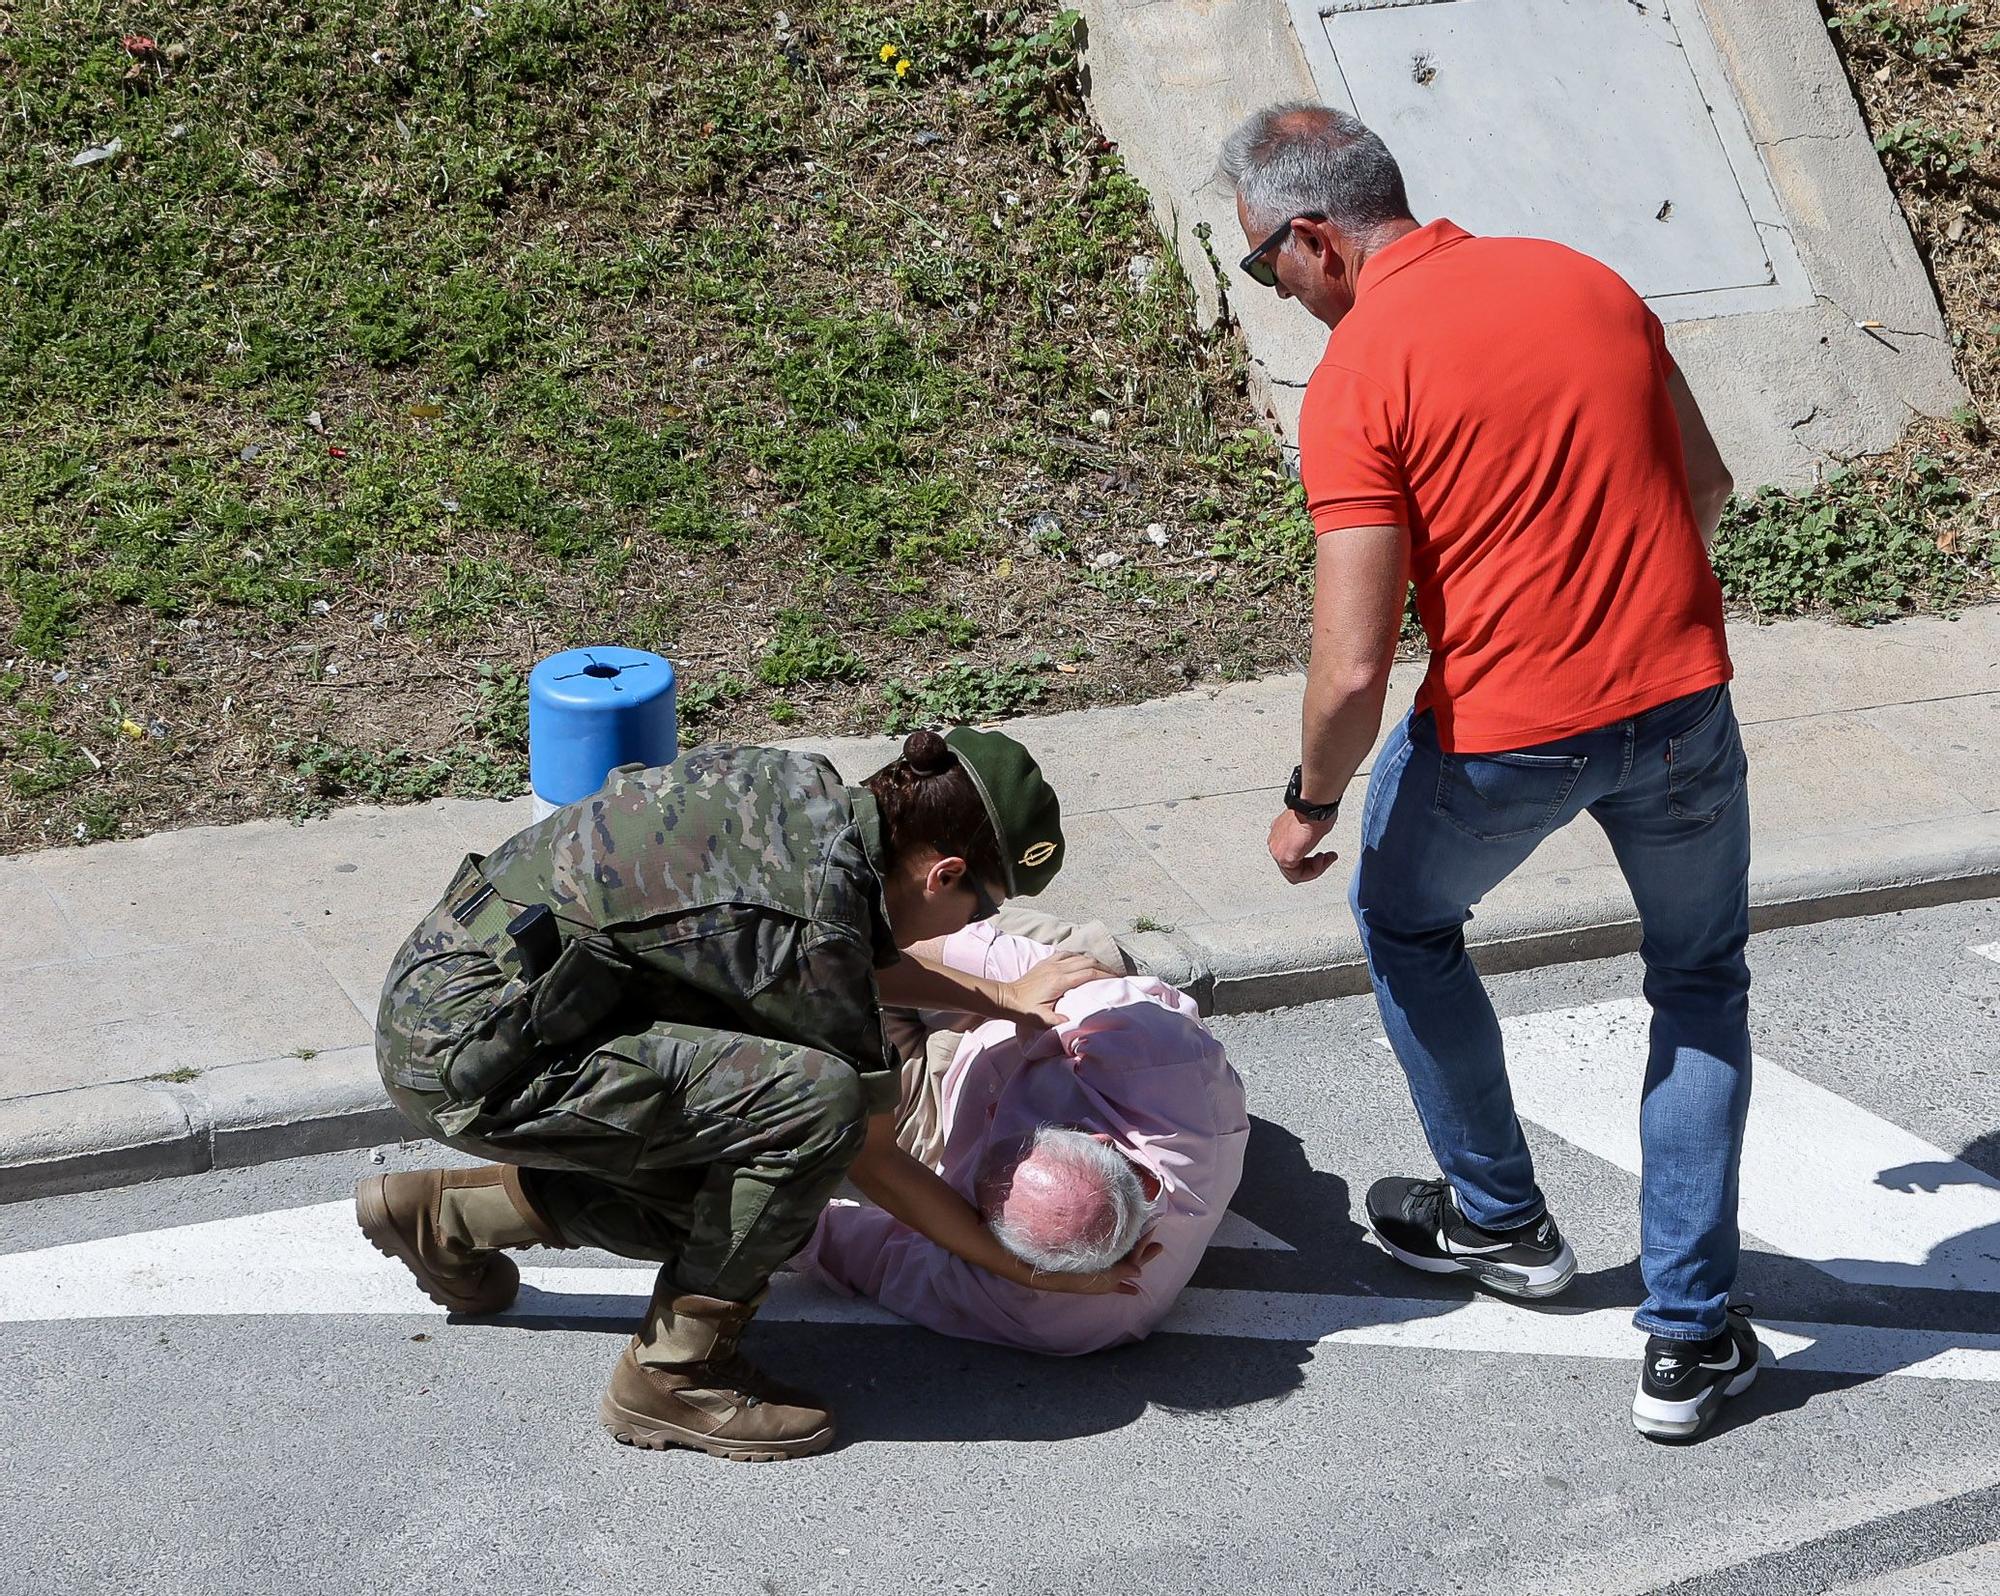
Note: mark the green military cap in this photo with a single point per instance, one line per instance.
(1022, 806)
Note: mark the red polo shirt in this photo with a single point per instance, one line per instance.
(1505, 400)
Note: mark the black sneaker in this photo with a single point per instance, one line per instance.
(1418, 1221)
(1683, 1383)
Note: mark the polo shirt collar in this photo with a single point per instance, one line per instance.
(1407, 250)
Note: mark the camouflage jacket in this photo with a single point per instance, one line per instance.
(740, 888)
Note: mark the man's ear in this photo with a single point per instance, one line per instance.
(1318, 241)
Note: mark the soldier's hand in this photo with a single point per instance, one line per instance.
(1121, 1279)
(1033, 996)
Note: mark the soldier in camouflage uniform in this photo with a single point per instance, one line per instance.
(659, 1012)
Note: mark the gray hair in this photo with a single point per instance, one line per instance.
(1085, 1211)
(1298, 157)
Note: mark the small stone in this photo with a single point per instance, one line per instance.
(249, 452)
(1107, 560)
(333, 670)
(59, 678)
(1101, 419)
(1156, 535)
(320, 607)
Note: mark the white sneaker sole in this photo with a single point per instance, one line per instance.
(1683, 1421)
(1510, 1280)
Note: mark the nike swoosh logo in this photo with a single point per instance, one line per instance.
(1451, 1249)
(1735, 1357)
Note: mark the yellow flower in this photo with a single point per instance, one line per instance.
(890, 52)
(903, 67)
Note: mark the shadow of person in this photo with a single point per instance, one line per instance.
(1893, 1318)
(1312, 1274)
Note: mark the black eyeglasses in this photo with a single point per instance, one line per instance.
(1256, 267)
(983, 906)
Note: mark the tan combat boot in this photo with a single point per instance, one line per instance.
(683, 1383)
(448, 1226)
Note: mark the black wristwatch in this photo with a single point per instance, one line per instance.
(1304, 810)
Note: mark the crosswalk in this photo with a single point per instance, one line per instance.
(1859, 1198)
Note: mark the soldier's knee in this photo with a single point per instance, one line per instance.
(836, 1115)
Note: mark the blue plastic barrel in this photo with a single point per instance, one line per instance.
(592, 709)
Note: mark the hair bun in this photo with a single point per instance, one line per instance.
(926, 753)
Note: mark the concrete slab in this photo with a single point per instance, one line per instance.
(177, 888)
(33, 929)
(361, 965)
(1790, 382)
(1803, 771)
(1214, 848)
(1812, 667)
(1954, 738)
(1111, 877)
(1603, 128)
(165, 1009)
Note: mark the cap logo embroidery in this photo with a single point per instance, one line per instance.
(1041, 853)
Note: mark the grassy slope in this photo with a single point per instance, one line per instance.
(1915, 530)
(398, 346)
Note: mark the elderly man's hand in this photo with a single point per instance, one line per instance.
(1293, 839)
(1032, 996)
(1121, 1279)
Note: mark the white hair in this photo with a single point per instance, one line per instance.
(1070, 1204)
(1290, 159)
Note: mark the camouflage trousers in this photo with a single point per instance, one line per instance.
(708, 1151)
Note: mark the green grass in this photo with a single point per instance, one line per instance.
(370, 290)
(1866, 546)
(968, 693)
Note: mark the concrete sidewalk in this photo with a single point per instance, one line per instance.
(205, 997)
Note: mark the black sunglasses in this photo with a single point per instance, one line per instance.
(1256, 267)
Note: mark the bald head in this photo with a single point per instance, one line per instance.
(1068, 1204)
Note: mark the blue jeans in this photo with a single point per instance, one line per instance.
(1440, 831)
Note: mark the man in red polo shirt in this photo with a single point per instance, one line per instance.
(1499, 421)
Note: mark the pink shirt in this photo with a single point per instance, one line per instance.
(1131, 1059)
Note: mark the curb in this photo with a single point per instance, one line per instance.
(91, 1137)
(88, 1138)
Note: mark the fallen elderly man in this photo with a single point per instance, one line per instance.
(1124, 1120)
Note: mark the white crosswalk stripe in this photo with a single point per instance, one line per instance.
(313, 1260)
(1823, 1179)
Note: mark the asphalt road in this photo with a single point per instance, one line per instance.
(1320, 1420)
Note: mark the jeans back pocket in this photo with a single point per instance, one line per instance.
(1706, 765)
(1496, 796)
